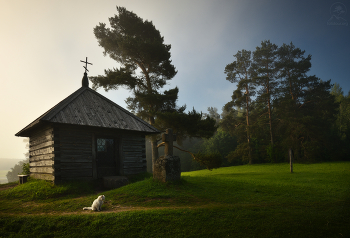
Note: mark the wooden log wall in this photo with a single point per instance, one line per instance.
(66, 152)
(75, 161)
(43, 148)
(134, 154)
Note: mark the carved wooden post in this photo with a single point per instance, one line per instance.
(291, 158)
(167, 167)
(168, 137)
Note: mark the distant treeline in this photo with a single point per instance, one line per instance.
(12, 174)
(276, 106)
(7, 164)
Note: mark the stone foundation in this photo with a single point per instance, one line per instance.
(167, 168)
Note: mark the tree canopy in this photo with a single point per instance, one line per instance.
(145, 68)
(290, 110)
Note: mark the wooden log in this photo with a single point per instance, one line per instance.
(76, 147)
(133, 166)
(132, 148)
(94, 161)
(64, 142)
(133, 158)
(49, 177)
(134, 171)
(42, 132)
(126, 157)
(75, 159)
(135, 161)
(74, 166)
(128, 146)
(76, 152)
(74, 133)
(134, 141)
(133, 137)
(46, 170)
(47, 150)
(142, 142)
(42, 139)
(42, 163)
(75, 155)
(134, 153)
(42, 157)
(74, 173)
(43, 145)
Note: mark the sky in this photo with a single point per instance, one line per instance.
(42, 43)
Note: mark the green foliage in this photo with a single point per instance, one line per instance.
(291, 110)
(239, 155)
(274, 155)
(190, 124)
(213, 113)
(241, 72)
(222, 143)
(21, 167)
(145, 69)
(211, 160)
(146, 66)
(136, 43)
(341, 127)
(25, 169)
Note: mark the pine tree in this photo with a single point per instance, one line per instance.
(264, 64)
(292, 68)
(145, 64)
(145, 69)
(240, 72)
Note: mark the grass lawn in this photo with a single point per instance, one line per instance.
(241, 201)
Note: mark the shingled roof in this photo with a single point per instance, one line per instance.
(86, 107)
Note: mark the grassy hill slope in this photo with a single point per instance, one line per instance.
(241, 201)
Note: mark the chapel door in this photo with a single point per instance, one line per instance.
(106, 157)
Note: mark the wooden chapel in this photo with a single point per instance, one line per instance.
(86, 136)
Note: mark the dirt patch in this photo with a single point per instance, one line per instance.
(7, 186)
(112, 209)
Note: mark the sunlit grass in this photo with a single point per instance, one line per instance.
(241, 201)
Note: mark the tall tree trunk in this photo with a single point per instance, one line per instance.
(248, 129)
(154, 150)
(154, 147)
(269, 108)
(270, 119)
(154, 143)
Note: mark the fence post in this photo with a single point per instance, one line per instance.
(291, 158)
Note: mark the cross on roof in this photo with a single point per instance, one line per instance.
(86, 63)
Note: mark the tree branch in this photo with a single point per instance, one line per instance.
(304, 103)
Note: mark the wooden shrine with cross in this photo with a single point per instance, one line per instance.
(86, 136)
(168, 138)
(167, 167)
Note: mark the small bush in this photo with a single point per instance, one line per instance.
(16, 170)
(211, 160)
(25, 169)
